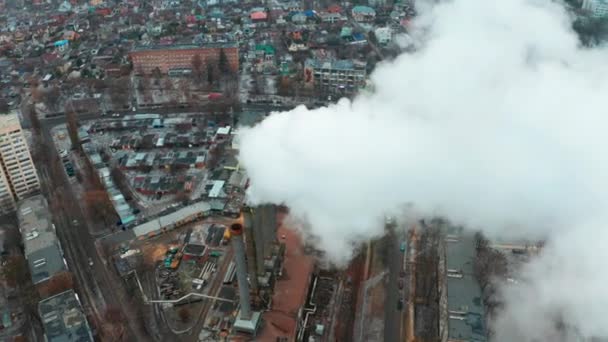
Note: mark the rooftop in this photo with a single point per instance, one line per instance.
(364, 10)
(183, 46)
(63, 318)
(290, 291)
(9, 121)
(465, 307)
(335, 64)
(169, 220)
(42, 248)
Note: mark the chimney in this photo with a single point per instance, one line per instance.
(241, 269)
(251, 249)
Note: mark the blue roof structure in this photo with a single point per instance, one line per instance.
(60, 43)
(364, 10)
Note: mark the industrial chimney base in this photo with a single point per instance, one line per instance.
(250, 325)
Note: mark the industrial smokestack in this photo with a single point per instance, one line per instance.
(251, 249)
(241, 269)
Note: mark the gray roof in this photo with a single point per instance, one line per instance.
(42, 248)
(335, 64)
(183, 46)
(168, 221)
(63, 318)
(465, 306)
(44, 263)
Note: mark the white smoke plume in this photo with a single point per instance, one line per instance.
(498, 122)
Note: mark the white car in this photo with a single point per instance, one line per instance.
(90, 262)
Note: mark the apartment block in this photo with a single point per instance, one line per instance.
(597, 8)
(63, 318)
(177, 59)
(343, 77)
(18, 178)
(41, 246)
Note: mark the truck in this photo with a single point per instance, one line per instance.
(176, 260)
(226, 237)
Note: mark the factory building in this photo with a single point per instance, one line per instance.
(464, 320)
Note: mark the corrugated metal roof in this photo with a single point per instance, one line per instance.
(169, 220)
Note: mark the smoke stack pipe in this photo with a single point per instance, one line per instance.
(251, 251)
(241, 269)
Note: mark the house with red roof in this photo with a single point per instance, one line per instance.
(334, 9)
(258, 16)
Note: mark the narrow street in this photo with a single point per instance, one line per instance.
(99, 288)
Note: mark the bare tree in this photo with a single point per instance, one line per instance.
(119, 91)
(58, 284)
(183, 196)
(121, 182)
(100, 207)
(489, 266)
(184, 315)
(222, 63)
(285, 86)
(258, 86)
(168, 85)
(197, 67)
(51, 97)
(210, 74)
(156, 73)
(215, 154)
(72, 125)
(14, 271)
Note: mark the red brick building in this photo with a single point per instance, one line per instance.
(178, 58)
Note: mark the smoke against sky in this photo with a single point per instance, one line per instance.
(497, 122)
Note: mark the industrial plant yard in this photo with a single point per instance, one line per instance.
(303, 171)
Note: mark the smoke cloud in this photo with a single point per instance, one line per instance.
(497, 122)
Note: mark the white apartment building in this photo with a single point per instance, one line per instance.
(18, 176)
(597, 8)
(342, 77)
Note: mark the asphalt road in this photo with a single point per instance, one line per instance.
(253, 107)
(98, 288)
